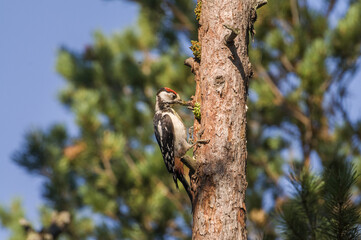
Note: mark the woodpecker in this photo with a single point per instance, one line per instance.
(171, 134)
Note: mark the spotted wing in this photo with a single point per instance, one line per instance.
(164, 130)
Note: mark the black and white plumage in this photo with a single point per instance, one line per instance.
(171, 134)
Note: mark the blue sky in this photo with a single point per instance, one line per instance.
(31, 32)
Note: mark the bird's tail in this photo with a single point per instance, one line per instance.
(186, 186)
(179, 174)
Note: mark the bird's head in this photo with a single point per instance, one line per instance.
(166, 97)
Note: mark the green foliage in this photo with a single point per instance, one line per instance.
(304, 62)
(322, 208)
(312, 69)
(348, 33)
(301, 216)
(341, 213)
(10, 217)
(112, 167)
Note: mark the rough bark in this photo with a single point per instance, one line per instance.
(219, 183)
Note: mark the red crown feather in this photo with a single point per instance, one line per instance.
(170, 90)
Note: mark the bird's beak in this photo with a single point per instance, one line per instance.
(182, 102)
(178, 101)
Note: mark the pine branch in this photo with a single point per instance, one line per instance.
(342, 215)
(60, 220)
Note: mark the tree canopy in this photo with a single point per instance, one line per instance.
(110, 175)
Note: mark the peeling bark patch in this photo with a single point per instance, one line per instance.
(219, 84)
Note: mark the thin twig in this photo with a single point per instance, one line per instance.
(180, 16)
(280, 99)
(287, 63)
(294, 11)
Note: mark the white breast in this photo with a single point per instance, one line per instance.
(180, 142)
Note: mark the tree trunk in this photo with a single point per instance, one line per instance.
(219, 210)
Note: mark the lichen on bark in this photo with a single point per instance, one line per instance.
(196, 49)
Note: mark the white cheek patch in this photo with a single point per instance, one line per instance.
(165, 96)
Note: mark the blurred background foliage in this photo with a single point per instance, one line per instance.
(110, 176)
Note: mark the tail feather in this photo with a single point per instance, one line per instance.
(179, 174)
(175, 180)
(178, 170)
(184, 181)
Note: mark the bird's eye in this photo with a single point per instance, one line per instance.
(174, 96)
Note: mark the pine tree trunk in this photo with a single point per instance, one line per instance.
(222, 83)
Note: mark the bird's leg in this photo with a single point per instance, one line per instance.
(191, 108)
(199, 135)
(200, 141)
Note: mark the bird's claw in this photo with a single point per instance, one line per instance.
(203, 141)
(200, 133)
